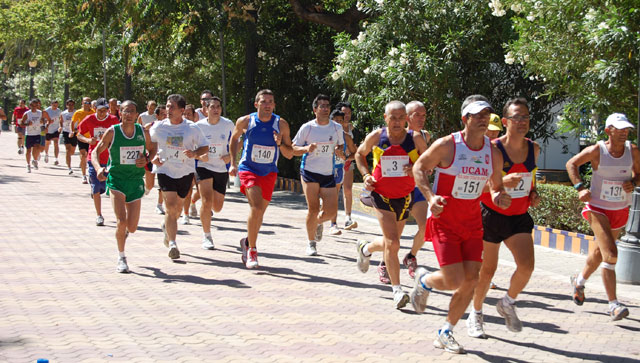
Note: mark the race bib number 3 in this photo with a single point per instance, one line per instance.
(129, 154)
(392, 166)
(468, 186)
(263, 154)
(612, 191)
(523, 188)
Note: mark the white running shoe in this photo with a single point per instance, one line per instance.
(70, 171)
(252, 258)
(445, 340)
(618, 312)
(122, 267)
(334, 230)
(28, 168)
(475, 324)
(508, 312)
(99, 221)
(207, 243)
(349, 224)
(174, 252)
(193, 211)
(46, 158)
(185, 220)
(363, 261)
(84, 180)
(55, 162)
(159, 210)
(401, 299)
(311, 249)
(419, 293)
(35, 164)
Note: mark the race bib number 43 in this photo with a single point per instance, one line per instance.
(468, 186)
(612, 191)
(216, 150)
(263, 154)
(392, 166)
(129, 154)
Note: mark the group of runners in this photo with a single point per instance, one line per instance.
(483, 186)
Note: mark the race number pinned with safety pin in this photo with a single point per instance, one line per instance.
(393, 166)
(129, 154)
(468, 186)
(217, 150)
(612, 191)
(324, 150)
(523, 188)
(174, 154)
(263, 154)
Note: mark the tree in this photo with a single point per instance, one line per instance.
(585, 51)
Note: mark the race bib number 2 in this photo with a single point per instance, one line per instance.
(468, 186)
(263, 154)
(523, 188)
(129, 154)
(612, 191)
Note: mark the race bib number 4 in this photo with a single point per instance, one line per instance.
(468, 186)
(612, 191)
(129, 154)
(392, 166)
(523, 188)
(175, 154)
(263, 154)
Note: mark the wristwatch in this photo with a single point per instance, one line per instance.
(578, 186)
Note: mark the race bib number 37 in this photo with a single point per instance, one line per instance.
(392, 166)
(468, 186)
(129, 154)
(263, 154)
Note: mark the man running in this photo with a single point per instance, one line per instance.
(464, 162)
(318, 141)
(178, 142)
(267, 135)
(149, 115)
(349, 166)
(201, 112)
(53, 132)
(512, 225)
(616, 171)
(391, 184)
(32, 121)
(114, 108)
(90, 131)
(126, 144)
(18, 112)
(77, 118)
(70, 143)
(349, 151)
(212, 174)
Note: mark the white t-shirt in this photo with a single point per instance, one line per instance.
(326, 137)
(36, 122)
(66, 120)
(146, 118)
(172, 141)
(201, 116)
(55, 116)
(218, 137)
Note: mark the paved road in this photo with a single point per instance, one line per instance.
(62, 299)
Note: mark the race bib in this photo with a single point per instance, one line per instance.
(523, 188)
(66, 122)
(468, 186)
(324, 150)
(392, 166)
(612, 191)
(34, 128)
(217, 150)
(98, 132)
(129, 154)
(175, 154)
(263, 154)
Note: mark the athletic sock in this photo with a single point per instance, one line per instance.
(365, 250)
(159, 205)
(121, 254)
(580, 281)
(447, 326)
(477, 312)
(396, 288)
(508, 299)
(613, 303)
(348, 217)
(423, 281)
(207, 234)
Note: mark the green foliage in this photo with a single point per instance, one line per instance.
(438, 52)
(559, 208)
(585, 51)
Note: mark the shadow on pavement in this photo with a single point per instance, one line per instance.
(8, 342)
(14, 179)
(157, 273)
(494, 358)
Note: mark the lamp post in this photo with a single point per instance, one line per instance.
(5, 103)
(32, 66)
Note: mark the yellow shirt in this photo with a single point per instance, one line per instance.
(78, 116)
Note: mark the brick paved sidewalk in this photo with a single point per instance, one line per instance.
(62, 299)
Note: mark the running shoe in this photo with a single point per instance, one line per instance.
(411, 263)
(475, 324)
(99, 221)
(363, 261)
(159, 210)
(28, 168)
(19, 151)
(508, 312)
(319, 230)
(207, 243)
(46, 158)
(578, 291)
(56, 162)
(419, 293)
(193, 211)
(383, 274)
(252, 258)
(446, 341)
(311, 249)
(185, 220)
(493, 285)
(70, 171)
(166, 237)
(349, 224)
(84, 180)
(401, 299)
(174, 252)
(244, 246)
(35, 164)
(618, 312)
(334, 230)
(122, 267)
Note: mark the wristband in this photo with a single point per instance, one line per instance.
(578, 186)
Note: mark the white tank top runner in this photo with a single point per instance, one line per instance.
(606, 182)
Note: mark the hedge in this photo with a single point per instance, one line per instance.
(559, 208)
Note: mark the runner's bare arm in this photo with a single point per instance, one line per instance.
(361, 158)
(285, 139)
(351, 147)
(534, 196)
(241, 126)
(631, 184)
(103, 144)
(498, 194)
(589, 154)
(440, 153)
(152, 148)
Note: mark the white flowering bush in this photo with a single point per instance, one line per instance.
(584, 51)
(435, 51)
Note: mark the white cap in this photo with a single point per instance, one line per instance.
(476, 107)
(619, 121)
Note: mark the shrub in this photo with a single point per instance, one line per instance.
(559, 208)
